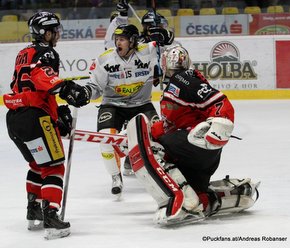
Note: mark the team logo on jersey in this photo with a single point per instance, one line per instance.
(203, 92)
(128, 89)
(112, 68)
(174, 90)
(139, 64)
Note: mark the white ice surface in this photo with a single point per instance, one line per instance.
(97, 221)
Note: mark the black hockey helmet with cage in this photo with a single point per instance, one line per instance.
(42, 22)
(129, 31)
(151, 19)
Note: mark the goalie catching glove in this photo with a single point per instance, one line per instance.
(211, 134)
(75, 95)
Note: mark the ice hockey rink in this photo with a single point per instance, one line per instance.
(98, 221)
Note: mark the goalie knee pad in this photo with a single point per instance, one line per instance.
(235, 194)
(191, 200)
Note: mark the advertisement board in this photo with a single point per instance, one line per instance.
(72, 30)
(238, 63)
(282, 63)
(234, 63)
(217, 25)
(269, 24)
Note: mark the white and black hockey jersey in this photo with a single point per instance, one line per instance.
(124, 83)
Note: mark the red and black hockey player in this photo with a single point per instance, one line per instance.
(176, 164)
(36, 123)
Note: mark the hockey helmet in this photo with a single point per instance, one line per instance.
(42, 22)
(150, 18)
(129, 31)
(175, 58)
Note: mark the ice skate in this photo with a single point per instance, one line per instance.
(54, 227)
(128, 171)
(183, 217)
(34, 213)
(117, 185)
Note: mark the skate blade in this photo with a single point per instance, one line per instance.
(128, 172)
(188, 220)
(34, 225)
(53, 233)
(117, 197)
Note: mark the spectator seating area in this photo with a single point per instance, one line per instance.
(168, 12)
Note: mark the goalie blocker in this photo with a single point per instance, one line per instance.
(177, 201)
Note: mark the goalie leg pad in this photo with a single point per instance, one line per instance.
(147, 169)
(236, 194)
(165, 183)
(191, 200)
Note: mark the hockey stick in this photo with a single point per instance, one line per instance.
(134, 12)
(76, 78)
(153, 5)
(69, 160)
(104, 138)
(119, 142)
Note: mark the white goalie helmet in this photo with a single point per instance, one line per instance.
(175, 58)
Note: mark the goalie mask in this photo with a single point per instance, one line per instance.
(42, 22)
(174, 59)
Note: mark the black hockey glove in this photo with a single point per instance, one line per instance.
(75, 94)
(123, 7)
(64, 121)
(161, 35)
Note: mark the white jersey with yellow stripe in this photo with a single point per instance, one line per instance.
(126, 83)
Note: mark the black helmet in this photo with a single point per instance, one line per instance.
(41, 22)
(129, 31)
(151, 19)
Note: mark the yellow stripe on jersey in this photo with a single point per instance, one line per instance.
(142, 46)
(107, 52)
(51, 138)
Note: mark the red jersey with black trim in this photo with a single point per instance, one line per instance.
(35, 79)
(189, 99)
